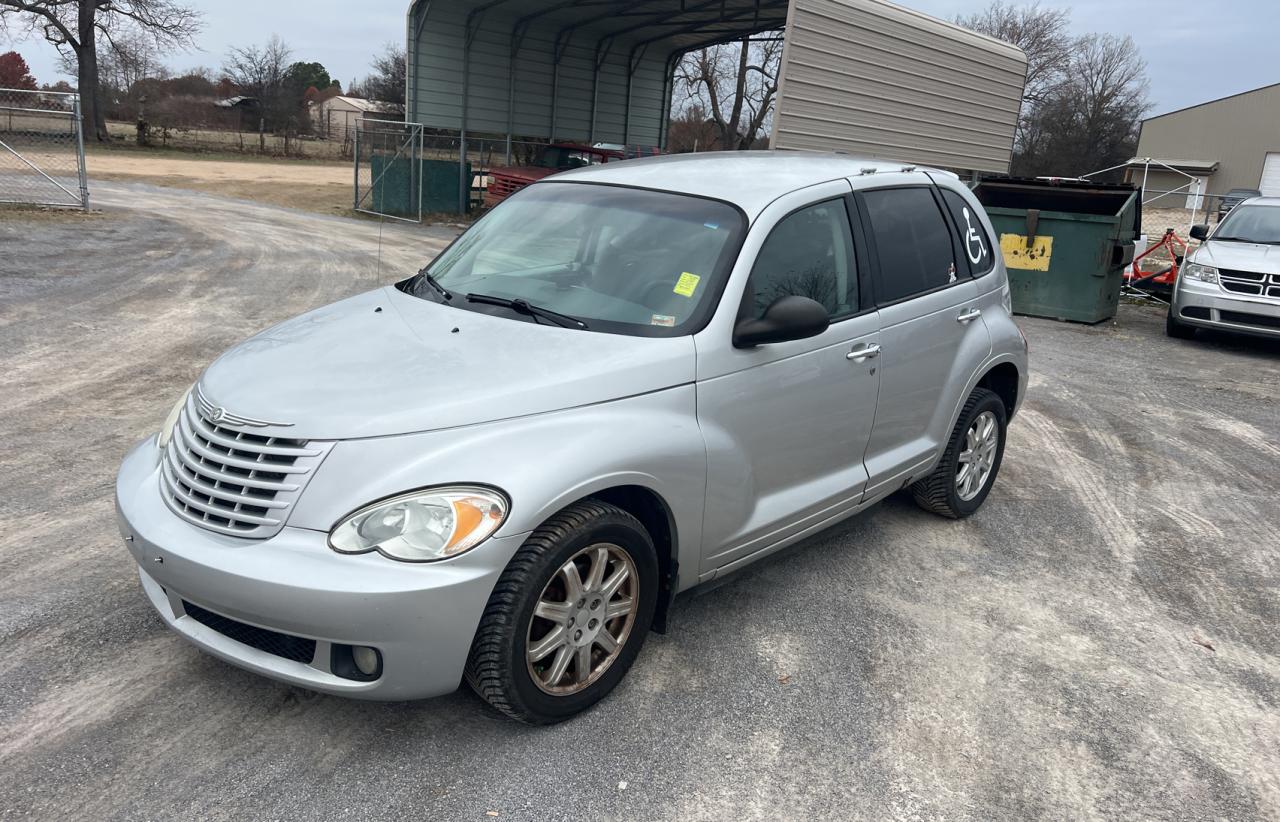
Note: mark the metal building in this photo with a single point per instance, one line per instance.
(864, 76)
(1233, 142)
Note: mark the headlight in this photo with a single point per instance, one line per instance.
(423, 526)
(1204, 273)
(166, 430)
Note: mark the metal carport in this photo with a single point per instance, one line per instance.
(863, 76)
(594, 70)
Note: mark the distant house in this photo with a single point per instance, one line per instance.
(337, 116)
(249, 110)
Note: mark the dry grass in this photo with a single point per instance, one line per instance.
(323, 188)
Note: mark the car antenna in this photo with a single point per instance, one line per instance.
(382, 217)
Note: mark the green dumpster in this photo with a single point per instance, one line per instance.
(1066, 243)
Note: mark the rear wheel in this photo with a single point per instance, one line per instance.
(568, 615)
(1177, 330)
(968, 468)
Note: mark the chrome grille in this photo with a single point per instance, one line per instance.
(230, 481)
(1248, 282)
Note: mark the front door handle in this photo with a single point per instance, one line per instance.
(864, 352)
(970, 315)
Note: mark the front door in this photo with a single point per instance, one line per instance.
(786, 424)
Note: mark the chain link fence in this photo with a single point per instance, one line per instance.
(388, 169)
(403, 170)
(41, 149)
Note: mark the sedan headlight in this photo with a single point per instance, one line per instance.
(166, 429)
(1204, 273)
(424, 526)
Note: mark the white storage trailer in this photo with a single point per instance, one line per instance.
(862, 76)
(872, 78)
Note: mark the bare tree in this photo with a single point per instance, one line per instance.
(1084, 96)
(263, 72)
(692, 129)
(387, 83)
(736, 84)
(1091, 121)
(1044, 34)
(75, 25)
(127, 59)
(1045, 37)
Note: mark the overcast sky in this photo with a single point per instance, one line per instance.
(1186, 43)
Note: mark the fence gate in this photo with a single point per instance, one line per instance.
(42, 149)
(388, 169)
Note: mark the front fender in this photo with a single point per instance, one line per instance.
(542, 462)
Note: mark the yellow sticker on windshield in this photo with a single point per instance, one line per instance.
(687, 284)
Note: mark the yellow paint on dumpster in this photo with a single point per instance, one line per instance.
(1017, 254)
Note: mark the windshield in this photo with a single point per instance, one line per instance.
(1251, 224)
(622, 260)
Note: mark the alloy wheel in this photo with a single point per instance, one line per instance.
(978, 456)
(582, 619)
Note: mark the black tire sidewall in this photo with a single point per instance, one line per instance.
(1176, 329)
(988, 402)
(617, 531)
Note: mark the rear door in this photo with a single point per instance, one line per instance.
(931, 330)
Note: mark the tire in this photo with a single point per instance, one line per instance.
(500, 669)
(940, 492)
(1177, 330)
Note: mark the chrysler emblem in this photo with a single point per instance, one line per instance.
(219, 415)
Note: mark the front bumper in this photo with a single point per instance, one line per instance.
(420, 617)
(1207, 305)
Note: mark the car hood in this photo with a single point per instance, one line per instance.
(1260, 259)
(387, 363)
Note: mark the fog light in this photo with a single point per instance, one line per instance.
(366, 659)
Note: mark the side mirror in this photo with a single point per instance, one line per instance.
(788, 318)
(1199, 232)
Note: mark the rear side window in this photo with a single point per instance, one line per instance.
(975, 245)
(808, 254)
(912, 241)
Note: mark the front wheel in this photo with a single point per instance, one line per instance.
(1177, 330)
(968, 468)
(568, 615)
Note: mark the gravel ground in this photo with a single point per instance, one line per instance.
(1099, 642)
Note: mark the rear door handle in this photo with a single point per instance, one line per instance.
(970, 315)
(864, 352)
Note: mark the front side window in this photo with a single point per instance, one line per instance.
(975, 245)
(808, 254)
(622, 260)
(912, 241)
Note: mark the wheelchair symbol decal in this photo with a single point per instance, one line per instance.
(973, 240)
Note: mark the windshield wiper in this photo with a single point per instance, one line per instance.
(434, 283)
(523, 307)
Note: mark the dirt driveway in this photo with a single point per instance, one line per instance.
(1099, 642)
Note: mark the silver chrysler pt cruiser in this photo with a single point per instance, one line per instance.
(622, 382)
